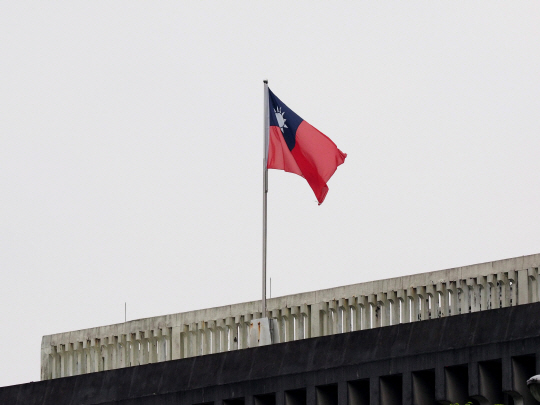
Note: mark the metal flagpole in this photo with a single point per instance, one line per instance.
(265, 193)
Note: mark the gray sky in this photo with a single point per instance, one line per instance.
(131, 152)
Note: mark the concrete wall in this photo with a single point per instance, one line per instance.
(419, 297)
(484, 358)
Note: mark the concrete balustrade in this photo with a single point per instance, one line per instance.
(343, 309)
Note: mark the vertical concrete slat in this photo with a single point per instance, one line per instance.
(404, 306)
(305, 311)
(363, 320)
(492, 292)
(522, 287)
(423, 303)
(384, 310)
(533, 284)
(373, 312)
(316, 324)
(176, 343)
(440, 289)
(512, 285)
(413, 304)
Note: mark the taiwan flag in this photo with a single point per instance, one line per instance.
(297, 147)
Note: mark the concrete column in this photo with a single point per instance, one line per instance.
(473, 294)
(344, 323)
(105, 354)
(245, 328)
(153, 346)
(374, 391)
(373, 312)
(406, 389)
(203, 338)
(61, 360)
(296, 323)
(276, 314)
(280, 398)
(71, 360)
(484, 292)
(161, 344)
(353, 308)
(131, 345)
(363, 315)
(423, 300)
(333, 324)
(113, 343)
(56, 366)
(522, 287)
(492, 292)
(342, 393)
(316, 320)
(123, 353)
(232, 329)
(113, 347)
(167, 335)
(404, 306)
(64, 359)
(79, 359)
(512, 278)
(139, 336)
(384, 309)
(504, 287)
(46, 363)
(160, 340)
(463, 296)
(242, 343)
(144, 349)
(287, 325)
(176, 343)
(86, 356)
(311, 396)
(452, 296)
(532, 274)
(212, 339)
(223, 335)
(393, 307)
(305, 311)
(97, 363)
(90, 367)
(413, 304)
(432, 302)
(440, 289)
(325, 319)
(193, 340)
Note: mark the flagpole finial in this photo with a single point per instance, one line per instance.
(265, 81)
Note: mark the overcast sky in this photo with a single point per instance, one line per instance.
(131, 152)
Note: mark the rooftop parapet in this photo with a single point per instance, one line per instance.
(459, 290)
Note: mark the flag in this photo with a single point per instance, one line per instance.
(297, 147)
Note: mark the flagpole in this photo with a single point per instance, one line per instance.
(265, 193)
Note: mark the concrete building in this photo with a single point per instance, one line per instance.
(468, 334)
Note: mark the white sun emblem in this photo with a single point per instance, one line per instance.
(280, 119)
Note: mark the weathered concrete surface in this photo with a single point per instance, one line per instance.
(482, 357)
(363, 306)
